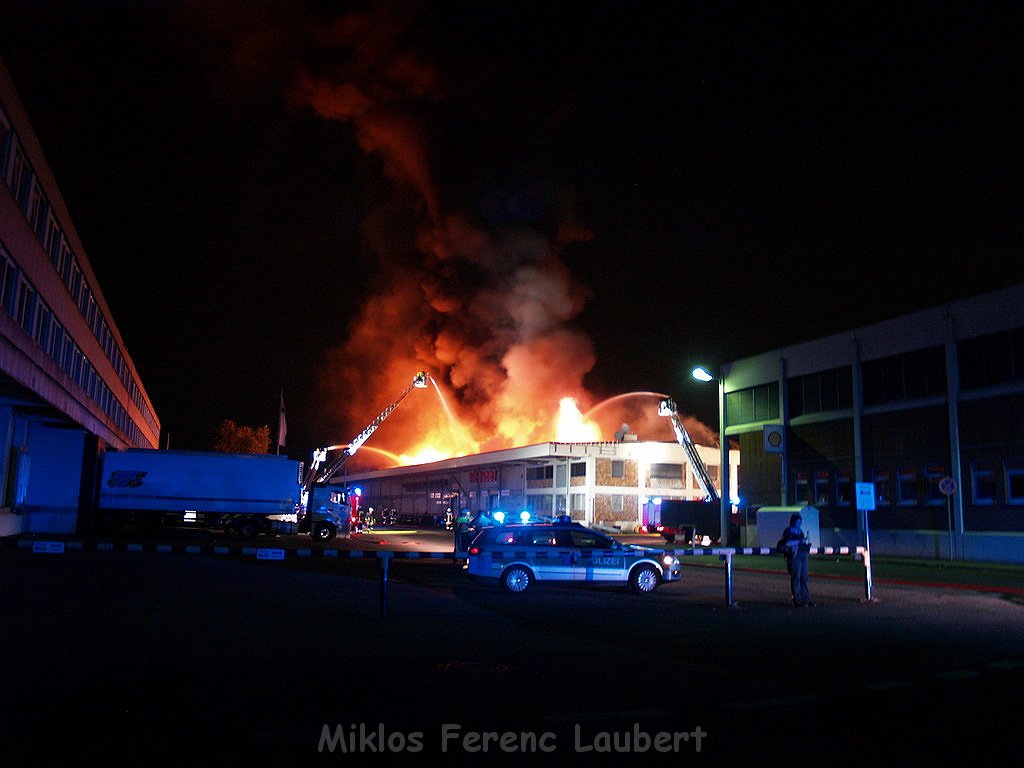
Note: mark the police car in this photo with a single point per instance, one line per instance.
(516, 556)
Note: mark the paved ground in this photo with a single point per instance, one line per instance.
(176, 659)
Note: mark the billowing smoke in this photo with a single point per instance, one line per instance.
(486, 309)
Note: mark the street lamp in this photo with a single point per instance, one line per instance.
(701, 374)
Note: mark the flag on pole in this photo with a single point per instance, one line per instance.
(282, 425)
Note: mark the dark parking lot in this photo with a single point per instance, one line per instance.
(202, 659)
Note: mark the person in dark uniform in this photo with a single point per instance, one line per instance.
(797, 548)
(462, 532)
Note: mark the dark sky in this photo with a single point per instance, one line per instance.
(717, 179)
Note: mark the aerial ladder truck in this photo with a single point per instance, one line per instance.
(679, 516)
(317, 496)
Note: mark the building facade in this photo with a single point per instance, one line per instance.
(928, 407)
(610, 485)
(67, 384)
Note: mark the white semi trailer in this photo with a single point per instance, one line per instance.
(243, 493)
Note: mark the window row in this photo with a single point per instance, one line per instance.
(911, 485)
(991, 360)
(746, 406)
(17, 173)
(20, 300)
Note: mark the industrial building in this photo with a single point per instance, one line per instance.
(613, 485)
(67, 384)
(927, 407)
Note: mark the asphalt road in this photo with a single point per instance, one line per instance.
(121, 657)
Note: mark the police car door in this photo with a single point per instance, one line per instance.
(551, 554)
(597, 557)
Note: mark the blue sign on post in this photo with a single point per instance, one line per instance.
(866, 496)
(866, 503)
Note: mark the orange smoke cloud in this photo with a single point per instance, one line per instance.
(486, 312)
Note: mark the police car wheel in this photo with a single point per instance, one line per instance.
(516, 579)
(644, 579)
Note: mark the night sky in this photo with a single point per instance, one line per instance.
(706, 181)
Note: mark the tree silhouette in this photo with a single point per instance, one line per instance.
(238, 438)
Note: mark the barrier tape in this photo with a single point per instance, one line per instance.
(384, 556)
(43, 546)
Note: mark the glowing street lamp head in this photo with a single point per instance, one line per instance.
(701, 374)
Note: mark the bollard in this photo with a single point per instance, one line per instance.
(727, 559)
(385, 559)
(867, 573)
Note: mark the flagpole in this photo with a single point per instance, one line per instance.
(281, 424)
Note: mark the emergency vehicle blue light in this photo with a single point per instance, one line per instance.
(524, 516)
(357, 491)
(499, 517)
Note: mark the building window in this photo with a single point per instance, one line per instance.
(801, 487)
(7, 280)
(667, 471)
(16, 171)
(1015, 481)
(983, 483)
(821, 392)
(42, 325)
(844, 488)
(577, 501)
(933, 474)
(6, 134)
(906, 486)
(822, 486)
(617, 504)
(755, 404)
(51, 241)
(883, 487)
(66, 258)
(578, 469)
(618, 468)
(25, 306)
(75, 284)
(560, 476)
(992, 360)
(546, 472)
(539, 503)
(907, 376)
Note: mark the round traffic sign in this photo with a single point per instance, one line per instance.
(947, 486)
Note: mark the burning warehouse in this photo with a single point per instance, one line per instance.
(611, 485)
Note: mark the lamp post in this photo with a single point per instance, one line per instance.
(701, 374)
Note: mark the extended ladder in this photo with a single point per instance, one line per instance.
(667, 407)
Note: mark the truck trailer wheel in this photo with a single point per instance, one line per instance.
(324, 532)
(247, 528)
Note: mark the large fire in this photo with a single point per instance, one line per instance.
(430, 429)
(487, 308)
(570, 426)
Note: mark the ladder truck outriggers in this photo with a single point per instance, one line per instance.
(319, 500)
(688, 517)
